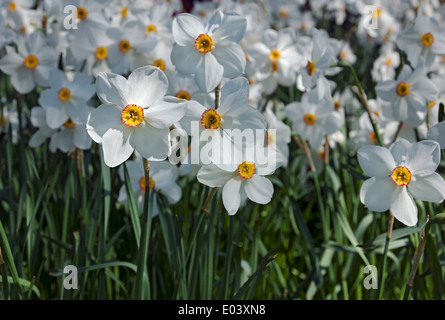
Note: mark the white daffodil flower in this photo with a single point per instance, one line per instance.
(399, 174)
(210, 51)
(135, 115)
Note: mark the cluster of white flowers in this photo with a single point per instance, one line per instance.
(196, 81)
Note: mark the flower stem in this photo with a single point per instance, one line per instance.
(361, 94)
(145, 227)
(416, 258)
(385, 254)
(217, 95)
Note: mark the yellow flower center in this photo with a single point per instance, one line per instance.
(150, 28)
(336, 105)
(274, 55)
(376, 13)
(310, 119)
(431, 104)
(204, 43)
(342, 54)
(31, 61)
(132, 115)
(402, 89)
(282, 14)
(373, 137)
(142, 183)
(310, 67)
(388, 62)
(12, 6)
(246, 170)
(124, 12)
(124, 46)
(211, 119)
(270, 139)
(69, 124)
(401, 176)
(427, 39)
(159, 63)
(82, 13)
(183, 94)
(64, 94)
(101, 53)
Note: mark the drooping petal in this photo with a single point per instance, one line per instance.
(231, 195)
(231, 56)
(428, 188)
(186, 58)
(259, 189)
(117, 147)
(403, 207)
(376, 161)
(376, 193)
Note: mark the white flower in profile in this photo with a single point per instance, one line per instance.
(409, 94)
(278, 135)
(399, 174)
(134, 115)
(31, 64)
(210, 51)
(313, 119)
(247, 180)
(319, 64)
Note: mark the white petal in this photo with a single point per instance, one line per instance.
(152, 143)
(423, 157)
(259, 189)
(376, 161)
(186, 58)
(437, 133)
(231, 56)
(212, 176)
(166, 112)
(148, 85)
(186, 28)
(231, 195)
(209, 73)
(113, 88)
(103, 118)
(399, 149)
(117, 147)
(403, 207)
(428, 188)
(376, 193)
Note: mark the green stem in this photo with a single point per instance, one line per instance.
(361, 94)
(145, 226)
(385, 255)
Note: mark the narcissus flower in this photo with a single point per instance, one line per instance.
(210, 51)
(423, 39)
(29, 66)
(246, 180)
(409, 94)
(398, 174)
(135, 115)
(67, 100)
(313, 119)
